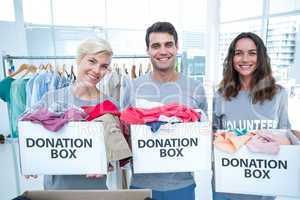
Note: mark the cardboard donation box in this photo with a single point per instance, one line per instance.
(181, 147)
(247, 172)
(88, 195)
(77, 148)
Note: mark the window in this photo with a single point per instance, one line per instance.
(281, 44)
(127, 42)
(239, 9)
(7, 10)
(37, 12)
(39, 41)
(122, 23)
(194, 15)
(127, 14)
(166, 10)
(68, 39)
(79, 12)
(280, 6)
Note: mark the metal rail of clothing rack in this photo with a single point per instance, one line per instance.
(6, 59)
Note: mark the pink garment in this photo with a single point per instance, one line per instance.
(141, 116)
(100, 109)
(54, 121)
(266, 142)
(260, 144)
(280, 138)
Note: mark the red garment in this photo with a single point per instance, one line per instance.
(101, 109)
(141, 116)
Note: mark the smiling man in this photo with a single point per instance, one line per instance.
(164, 85)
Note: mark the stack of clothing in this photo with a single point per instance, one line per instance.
(260, 141)
(158, 116)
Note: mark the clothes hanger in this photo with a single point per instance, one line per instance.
(141, 70)
(133, 74)
(23, 67)
(66, 72)
(149, 68)
(63, 69)
(59, 69)
(125, 69)
(41, 67)
(73, 76)
(117, 69)
(49, 68)
(31, 69)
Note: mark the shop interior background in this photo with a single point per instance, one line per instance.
(205, 28)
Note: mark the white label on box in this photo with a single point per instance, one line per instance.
(246, 172)
(182, 147)
(77, 148)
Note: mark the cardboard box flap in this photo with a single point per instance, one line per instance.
(88, 194)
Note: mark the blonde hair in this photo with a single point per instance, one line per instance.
(93, 46)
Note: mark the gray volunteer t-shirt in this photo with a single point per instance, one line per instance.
(240, 113)
(62, 99)
(184, 91)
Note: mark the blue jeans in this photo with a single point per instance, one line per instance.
(187, 193)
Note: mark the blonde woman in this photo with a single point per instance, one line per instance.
(93, 61)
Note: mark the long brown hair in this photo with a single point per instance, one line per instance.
(262, 85)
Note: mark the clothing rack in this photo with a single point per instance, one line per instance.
(6, 59)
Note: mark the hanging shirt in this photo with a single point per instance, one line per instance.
(5, 86)
(55, 82)
(18, 103)
(58, 82)
(29, 87)
(40, 86)
(110, 85)
(64, 82)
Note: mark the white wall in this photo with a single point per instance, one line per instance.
(39, 42)
(12, 42)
